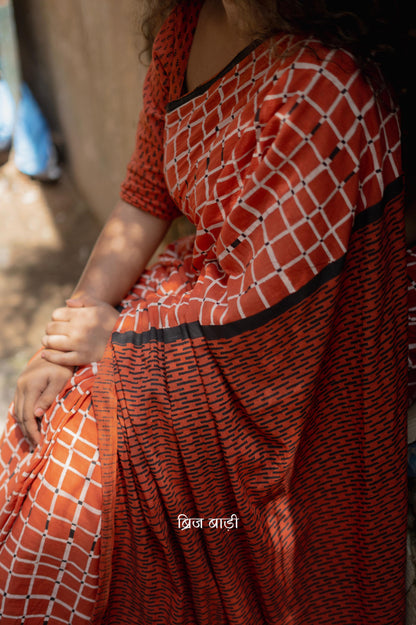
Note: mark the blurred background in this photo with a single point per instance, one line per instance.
(81, 61)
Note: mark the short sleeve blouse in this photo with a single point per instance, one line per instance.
(144, 186)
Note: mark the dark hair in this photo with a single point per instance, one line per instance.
(155, 13)
(376, 32)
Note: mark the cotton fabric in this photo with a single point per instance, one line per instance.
(251, 404)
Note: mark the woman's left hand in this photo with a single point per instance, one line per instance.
(78, 333)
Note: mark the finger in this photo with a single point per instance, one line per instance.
(30, 430)
(66, 359)
(76, 303)
(19, 401)
(44, 402)
(61, 314)
(49, 395)
(28, 422)
(56, 342)
(57, 327)
(17, 405)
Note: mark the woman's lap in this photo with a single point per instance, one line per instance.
(50, 513)
(51, 502)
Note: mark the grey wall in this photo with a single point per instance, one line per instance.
(81, 59)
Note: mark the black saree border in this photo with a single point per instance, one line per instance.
(194, 330)
(200, 89)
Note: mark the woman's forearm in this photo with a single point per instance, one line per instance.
(125, 245)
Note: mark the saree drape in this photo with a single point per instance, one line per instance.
(251, 404)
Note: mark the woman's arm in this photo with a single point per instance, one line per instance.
(78, 333)
(125, 245)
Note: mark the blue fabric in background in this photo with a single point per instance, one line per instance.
(28, 130)
(6, 115)
(32, 139)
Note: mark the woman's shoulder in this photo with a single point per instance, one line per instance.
(308, 56)
(317, 73)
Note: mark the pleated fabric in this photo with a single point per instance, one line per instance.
(250, 409)
(259, 383)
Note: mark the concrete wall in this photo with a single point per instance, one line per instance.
(81, 59)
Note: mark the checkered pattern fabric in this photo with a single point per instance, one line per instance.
(257, 371)
(244, 377)
(51, 515)
(267, 163)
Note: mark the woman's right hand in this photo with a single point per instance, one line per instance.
(36, 389)
(78, 334)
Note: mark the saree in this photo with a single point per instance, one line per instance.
(244, 436)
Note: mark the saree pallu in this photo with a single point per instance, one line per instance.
(251, 404)
(411, 276)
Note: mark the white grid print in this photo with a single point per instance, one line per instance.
(51, 515)
(272, 162)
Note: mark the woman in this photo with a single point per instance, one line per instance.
(237, 456)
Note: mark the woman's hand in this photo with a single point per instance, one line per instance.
(36, 389)
(78, 334)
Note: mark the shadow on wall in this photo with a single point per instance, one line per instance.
(81, 61)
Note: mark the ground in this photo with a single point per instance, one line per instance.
(46, 234)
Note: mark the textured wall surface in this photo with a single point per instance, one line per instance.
(81, 60)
